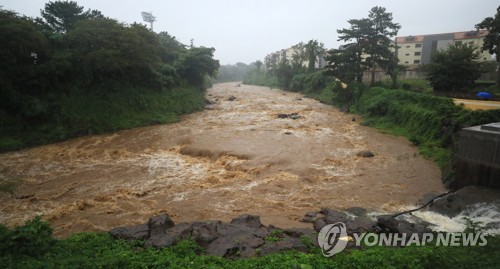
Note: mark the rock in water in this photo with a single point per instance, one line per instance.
(248, 220)
(365, 154)
(231, 98)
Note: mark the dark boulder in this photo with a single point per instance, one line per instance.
(452, 204)
(159, 224)
(138, 232)
(170, 237)
(244, 236)
(360, 225)
(310, 217)
(248, 220)
(354, 218)
(394, 225)
(365, 154)
(333, 216)
(357, 211)
(202, 232)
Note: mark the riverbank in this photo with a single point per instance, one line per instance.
(34, 248)
(432, 123)
(236, 156)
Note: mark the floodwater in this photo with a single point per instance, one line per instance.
(237, 157)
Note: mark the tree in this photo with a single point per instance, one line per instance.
(359, 32)
(372, 37)
(299, 56)
(313, 50)
(344, 62)
(196, 64)
(61, 16)
(379, 44)
(22, 52)
(284, 73)
(258, 65)
(454, 69)
(492, 39)
(172, 47)
(271, 62)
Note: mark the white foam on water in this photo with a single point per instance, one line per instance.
(174, 168)
(485, 215)
(251, 185)
(440, 223)
(180, 196)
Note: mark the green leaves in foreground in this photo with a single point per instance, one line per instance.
(31, 246)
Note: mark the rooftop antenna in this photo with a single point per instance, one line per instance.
(148, 17)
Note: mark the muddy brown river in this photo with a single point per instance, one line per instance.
(237, 157)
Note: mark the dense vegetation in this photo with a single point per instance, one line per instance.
(455, 69)
(492, 40)
(237, 72)
(32, 246)
(73, 72)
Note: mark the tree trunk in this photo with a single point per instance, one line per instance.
(373, 73)
(359, 72)
(498, 70)
(394, 78)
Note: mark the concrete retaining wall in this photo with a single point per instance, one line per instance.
(479, 157)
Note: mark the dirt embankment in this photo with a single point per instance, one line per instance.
(235, 157)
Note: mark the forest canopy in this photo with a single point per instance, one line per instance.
(59, 70)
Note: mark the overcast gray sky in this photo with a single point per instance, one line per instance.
(247, 30)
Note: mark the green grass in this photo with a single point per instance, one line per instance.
(78, 113)
(325, 95)
(31, 246)
(416, 85)
(430, 149)
(276, 235)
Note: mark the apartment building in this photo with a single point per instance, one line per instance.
(417, 50)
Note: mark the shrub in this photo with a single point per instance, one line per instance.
(32, 239)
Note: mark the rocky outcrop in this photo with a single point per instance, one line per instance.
(389, 224)
(365, 154)
(293, 116)
(357, 221)
(456, 202)
(354, 218)
(244, 236)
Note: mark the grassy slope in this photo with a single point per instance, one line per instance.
(76, 114)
